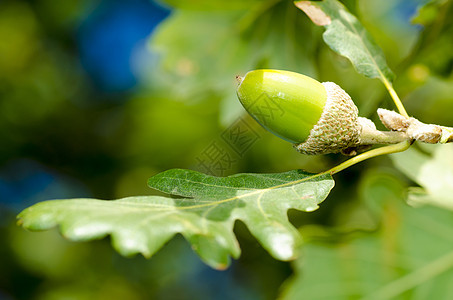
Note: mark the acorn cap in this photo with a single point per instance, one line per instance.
(338, 128)
(317, 118)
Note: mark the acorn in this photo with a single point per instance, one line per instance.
(316, 117)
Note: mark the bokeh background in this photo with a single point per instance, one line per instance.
(96, 96)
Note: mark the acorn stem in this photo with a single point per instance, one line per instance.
(370, 136)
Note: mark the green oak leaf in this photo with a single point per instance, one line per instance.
(346, 35)
(203, 210)
(434, 173)
(409, 256)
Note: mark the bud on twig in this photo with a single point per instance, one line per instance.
(416, 130)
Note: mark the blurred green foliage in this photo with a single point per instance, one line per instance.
(408, 256)
(107, 144)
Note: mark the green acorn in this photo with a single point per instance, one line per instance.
(316, 117)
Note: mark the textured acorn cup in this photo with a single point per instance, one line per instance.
(317, 117)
